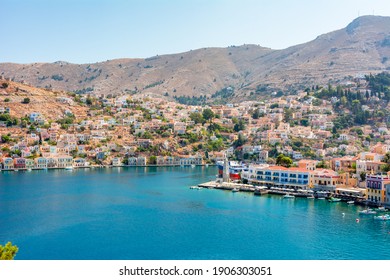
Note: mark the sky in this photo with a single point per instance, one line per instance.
(88, 31)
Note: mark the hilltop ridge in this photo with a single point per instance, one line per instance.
(362, 47)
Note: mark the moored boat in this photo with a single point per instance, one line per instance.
(382, 209)
(288, 196)
(367, 212)
(350, 202)
(334, 199)
(382, 217)
(235, 190)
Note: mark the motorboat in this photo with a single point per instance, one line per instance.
(367, 212)
(311, 197)
(235, 190)
(195, 188)
(334, 199)
(382, 217)
(381, 209)
(288, 196)
(350, 202)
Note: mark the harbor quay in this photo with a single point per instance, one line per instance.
(288, 193)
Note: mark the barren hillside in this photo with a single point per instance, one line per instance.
(362, 47)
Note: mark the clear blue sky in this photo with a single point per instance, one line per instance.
(87, 31)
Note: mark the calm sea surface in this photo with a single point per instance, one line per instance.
(150, 213)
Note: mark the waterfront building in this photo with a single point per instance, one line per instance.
(117, 161)
(324, 180)
(20, 163)
(160, 160)
(278, 176)
(132, 161)
(29, 163)
(8, 163)
(52, 162)
(64, 161)
(387, 194)
(376, 191)
(40, 162)
(80, 162)
(141, 161)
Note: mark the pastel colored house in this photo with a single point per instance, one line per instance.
(40, 163)
(8, 164)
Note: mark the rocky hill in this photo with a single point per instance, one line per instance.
(22, 100)
(362, 47)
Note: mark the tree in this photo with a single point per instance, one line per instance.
(284, 160)
(239, 126)
(197, 117)
(5, 138)
(322, 164)
(152, 160)
(5, 85)
(256, 114)
(8, 251)
(363, 176)
(26, 100)
(240, 141)
(386, 159)
(208, 114)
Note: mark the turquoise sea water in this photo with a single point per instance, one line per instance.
(150, 213)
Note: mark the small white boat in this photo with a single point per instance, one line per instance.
(382, 209)
(310, 197)
(69, 168)
(382, 217)
(235, 190)
(322, 198)
(195, 188)
(29, 169)
(367, 212)
(207, 165)
(351, 202)
(288, 196)
(193, 165)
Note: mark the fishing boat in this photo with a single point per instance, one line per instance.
(334, 199)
